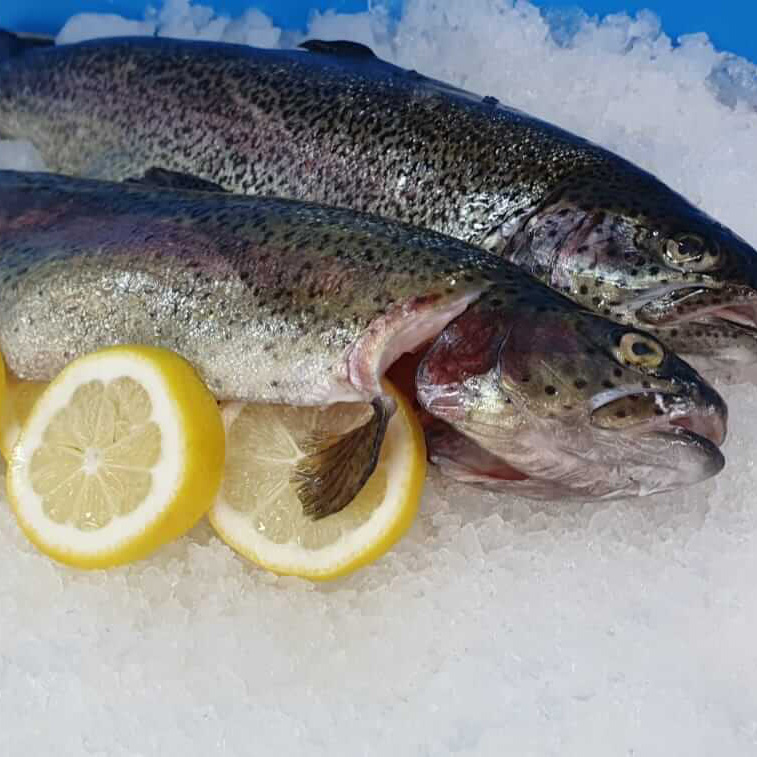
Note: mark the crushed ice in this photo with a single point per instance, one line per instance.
(498, 625)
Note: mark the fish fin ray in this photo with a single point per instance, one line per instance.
(338, 47)
(163, 178)
(334, 470)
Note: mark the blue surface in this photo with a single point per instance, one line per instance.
(731, 24)
(49, 15)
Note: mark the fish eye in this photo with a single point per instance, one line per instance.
(691, 252)
(640, 350)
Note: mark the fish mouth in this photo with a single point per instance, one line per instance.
(704, 422)
(714, 329)
(740, 320)
(734, 306)
(661, 451)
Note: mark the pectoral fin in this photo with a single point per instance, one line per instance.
(335, 469)
(162, 178)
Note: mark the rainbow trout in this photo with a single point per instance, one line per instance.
(281, 301)
(336, 125)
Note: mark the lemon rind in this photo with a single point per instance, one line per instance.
(10, 423)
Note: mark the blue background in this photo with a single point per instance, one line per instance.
(731, 24)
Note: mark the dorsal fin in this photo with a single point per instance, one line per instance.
(163, 178)
(339, 47)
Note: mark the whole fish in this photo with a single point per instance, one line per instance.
(281, 301)
(337, 125)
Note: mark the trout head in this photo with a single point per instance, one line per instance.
(623, 244)
(562, 402)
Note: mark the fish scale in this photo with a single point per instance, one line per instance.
(281, 301)
(294, 282)
(366, 135)
(338, 126)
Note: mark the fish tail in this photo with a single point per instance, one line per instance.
(13, 45)
(334, 470)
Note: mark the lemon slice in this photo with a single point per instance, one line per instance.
(257, 511)
(20, 397)
(3, 385)
(121, 453)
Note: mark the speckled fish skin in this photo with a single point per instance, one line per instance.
(272, 301)
(339, 126)
(265, 296)
(281, 301)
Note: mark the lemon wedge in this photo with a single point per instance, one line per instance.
(20, 396)
(257, 511)
(120, 454)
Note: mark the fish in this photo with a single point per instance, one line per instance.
(334, 124)
(287, 302)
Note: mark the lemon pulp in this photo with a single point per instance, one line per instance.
(121, 453)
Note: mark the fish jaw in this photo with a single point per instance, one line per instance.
(674, 447)
(653, 464)
(585, 462)
(459, 457)
(715, 329)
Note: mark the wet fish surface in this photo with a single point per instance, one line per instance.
(336, 125)
(280, 301)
